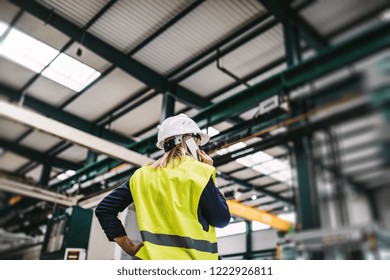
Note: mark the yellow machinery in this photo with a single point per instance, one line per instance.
(249, 213)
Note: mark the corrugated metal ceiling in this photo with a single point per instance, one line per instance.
(197, 82)
(41, 31)
(14, 75)
(88, 57)
(75, 153)
(255, 54)
(230, 166)
(338, 13)
(12, 162)
(129, 22)
(8, 11)
(202, 28)
(40, 141)
(13, 129)
(250, 57)
(49, 91)
(76, 11)
(105, 95)
(131, 123)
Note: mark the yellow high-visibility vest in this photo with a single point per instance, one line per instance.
(166, 202)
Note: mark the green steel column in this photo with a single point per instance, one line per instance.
(308, 214)
(282, 11)
(378, 80)
(92, 155)
(168, 106)
(292, 47)
(45, 174)
(248, 236)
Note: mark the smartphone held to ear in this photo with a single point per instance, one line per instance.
(192, 147)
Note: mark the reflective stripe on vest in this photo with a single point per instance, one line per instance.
(179, 241)
(166, 202)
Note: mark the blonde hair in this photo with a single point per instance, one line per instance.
(179, 151)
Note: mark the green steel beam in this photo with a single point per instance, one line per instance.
(25, 168)
(37, 156)
(111, 54)
(231, 47)
(323, 96)
(224, 47)
(326, 61)
(120, 108)
(294, 133)
(245, 129)
(253, 23)
(287, 15)
(247, 185)
(62, 116)
(72, 98)
(150, 38)
(106, 7)
(112, 115)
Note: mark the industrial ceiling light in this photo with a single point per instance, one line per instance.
(231, 148)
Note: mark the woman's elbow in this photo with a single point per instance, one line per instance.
(223, 220)
(226, 219)
(99, 211)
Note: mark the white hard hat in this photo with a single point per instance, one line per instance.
(179, 125)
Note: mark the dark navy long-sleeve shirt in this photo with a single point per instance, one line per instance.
(212, 209)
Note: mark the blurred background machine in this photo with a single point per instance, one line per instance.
(67, 235)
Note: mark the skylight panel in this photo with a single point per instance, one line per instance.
(71, 73)
(253, 159)
(36, 55)
(282, 176)
(267, 165)
(231, 148)
(27, 51)
(66, 175)
(274, 165)
(260, 157)
(244, 161)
